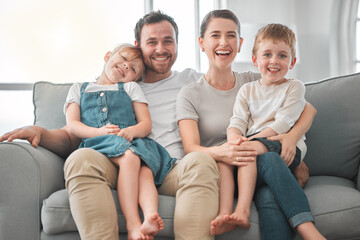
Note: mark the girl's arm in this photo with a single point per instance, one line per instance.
(142, 128)
(233, 154)
(79, 129)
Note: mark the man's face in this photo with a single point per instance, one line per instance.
(159, 47)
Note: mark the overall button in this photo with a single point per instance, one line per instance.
(102, 94)
(104, 109)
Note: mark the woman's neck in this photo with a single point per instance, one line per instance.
(221, 79)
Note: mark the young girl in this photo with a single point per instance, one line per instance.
(111, 116)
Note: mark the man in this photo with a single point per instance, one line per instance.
(90, 176)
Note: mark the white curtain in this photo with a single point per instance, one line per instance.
(342, 42)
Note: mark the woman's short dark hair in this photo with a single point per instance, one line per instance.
(154, 17)
(223, 13)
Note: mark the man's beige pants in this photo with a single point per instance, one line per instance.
(90, 176)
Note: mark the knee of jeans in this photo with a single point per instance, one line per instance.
(265, 198)
(201, 164)
(81, 162)
(270, 160)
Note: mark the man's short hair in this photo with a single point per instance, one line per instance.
(154, 17)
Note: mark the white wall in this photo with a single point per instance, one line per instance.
(312, 20)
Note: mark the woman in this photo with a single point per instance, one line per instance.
(204, 110)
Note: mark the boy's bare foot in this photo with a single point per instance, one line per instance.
(240, 220)
(152, 224)
(221, 224)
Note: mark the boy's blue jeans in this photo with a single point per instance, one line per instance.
(281, 202)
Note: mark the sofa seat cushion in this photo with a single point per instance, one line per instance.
(56, 215)
(335, 204)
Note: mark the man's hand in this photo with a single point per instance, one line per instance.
(302, 174)
(30, 133)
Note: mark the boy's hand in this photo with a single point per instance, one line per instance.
(30, 133)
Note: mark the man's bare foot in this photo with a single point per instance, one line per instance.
(221, 224)
(152, 224)
(240, 220)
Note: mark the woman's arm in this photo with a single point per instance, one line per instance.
(233, 154)
(142, 128)
(290, 139)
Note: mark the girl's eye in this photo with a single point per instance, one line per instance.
(133, 69)
(123, 57)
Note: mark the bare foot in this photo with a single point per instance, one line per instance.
(136, 234)
(241, 220)
(152, 224)
(221, 224)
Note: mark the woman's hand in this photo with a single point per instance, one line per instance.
(236, 153)
(30, 133)
(288, 146)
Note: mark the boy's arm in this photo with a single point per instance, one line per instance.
(79, 129)
(143, 127)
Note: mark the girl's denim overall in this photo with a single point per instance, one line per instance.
(115, 107)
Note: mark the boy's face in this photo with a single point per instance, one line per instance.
(273, 59)
(119, 67)
(159, 47)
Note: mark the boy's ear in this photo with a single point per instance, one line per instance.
(254, 60)
(107, 56)
(292, 64)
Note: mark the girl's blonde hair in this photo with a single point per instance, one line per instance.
(276, 32)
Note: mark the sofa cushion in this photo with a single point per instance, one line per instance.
(49, 99)
(334, 138)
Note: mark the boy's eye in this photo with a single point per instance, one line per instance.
(267, 54)
(283, 56)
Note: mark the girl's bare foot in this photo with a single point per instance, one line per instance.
(152, 224)
(241, 220)
(221, 224)
(136, 234)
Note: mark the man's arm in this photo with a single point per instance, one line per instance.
(59, 141)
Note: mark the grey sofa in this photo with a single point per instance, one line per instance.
(34, 204)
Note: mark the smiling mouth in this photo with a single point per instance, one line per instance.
(160, 58)
(222, 53)
(273, 69)
(120, 70)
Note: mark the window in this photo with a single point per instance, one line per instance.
(65, 41)
(357, 39)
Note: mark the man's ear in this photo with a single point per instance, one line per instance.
(292, 64)
(254, 60)
(107, 56)
(136, 44)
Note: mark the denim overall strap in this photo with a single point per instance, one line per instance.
(83, 87)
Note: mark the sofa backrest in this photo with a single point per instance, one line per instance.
(333, 140)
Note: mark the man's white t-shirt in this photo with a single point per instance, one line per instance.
(161, 97)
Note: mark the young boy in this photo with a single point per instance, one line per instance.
(268, 107)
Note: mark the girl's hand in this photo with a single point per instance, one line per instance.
(108, 129)
(127, 134)
(288, 146)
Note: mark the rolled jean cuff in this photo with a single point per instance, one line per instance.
(301, 218)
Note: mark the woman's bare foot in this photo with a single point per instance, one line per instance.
(221, 224)
(241, 220)
(152, 225)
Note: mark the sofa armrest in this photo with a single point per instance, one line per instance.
(28, 175)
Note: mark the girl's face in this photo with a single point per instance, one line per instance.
(273, 60)
(221, 42)
(119, 67)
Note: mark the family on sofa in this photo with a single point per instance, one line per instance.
(190, 116)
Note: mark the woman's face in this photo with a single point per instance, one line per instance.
(221, 42)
